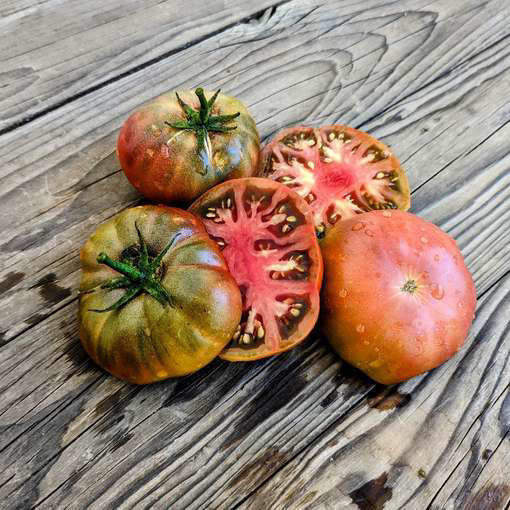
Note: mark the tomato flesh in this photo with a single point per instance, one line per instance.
(398, 299)
(266, 235)
(338, 170)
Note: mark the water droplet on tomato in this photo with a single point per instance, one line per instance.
(366, 342)
(358, 226)
(436, 291)
(424, 240)
(436, 258)
(425, 275)
(460, 304)
(369, 233)
(342, 293)
(386, 214)
(360, 328)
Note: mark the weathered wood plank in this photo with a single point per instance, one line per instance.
(230, 427)
(57, 51)
(322, 68)
(448, 426)
(211, 439)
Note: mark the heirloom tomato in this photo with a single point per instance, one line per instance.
(398, 299)
(338, 170)
(182, 143)
(156, 298)
(266, 234)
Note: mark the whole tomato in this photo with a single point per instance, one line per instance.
(398, 299)
(182, 143)
(156, 298)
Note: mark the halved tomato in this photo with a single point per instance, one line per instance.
(338, 170)
(266, 234)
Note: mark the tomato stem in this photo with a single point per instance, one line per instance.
(144, 276)
(201, 122)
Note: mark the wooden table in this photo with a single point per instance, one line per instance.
(302, 430)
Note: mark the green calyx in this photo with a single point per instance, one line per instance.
(138, 277)
(201, 122)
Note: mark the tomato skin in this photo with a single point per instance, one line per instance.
(261, 224)
(390, 333)
(164, 164)
(146, 341)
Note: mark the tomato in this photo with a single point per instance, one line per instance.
(181, 144)
(398, 299)
(156, 298)
(267, 237)
(338, 170)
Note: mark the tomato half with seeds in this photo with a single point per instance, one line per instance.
(398, 299)
(338, 170)
(266, 234)
(156, 297)
(180, 144)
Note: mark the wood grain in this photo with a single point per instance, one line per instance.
(58, 52)
(436, 451)
(301, 430)
(322, 69)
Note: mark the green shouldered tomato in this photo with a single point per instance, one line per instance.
(182, 143)
(156, 298)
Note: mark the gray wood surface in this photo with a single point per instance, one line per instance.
(302, 430)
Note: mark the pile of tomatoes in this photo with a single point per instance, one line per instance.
(239, 273)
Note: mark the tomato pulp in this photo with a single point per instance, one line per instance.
(338, 170)
(266, 234)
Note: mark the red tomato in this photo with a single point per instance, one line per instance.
(266, 234)
(182, 143)
(339, 170)
(398, 299)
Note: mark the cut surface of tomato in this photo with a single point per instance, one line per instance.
(338, 170)
(266, 234)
